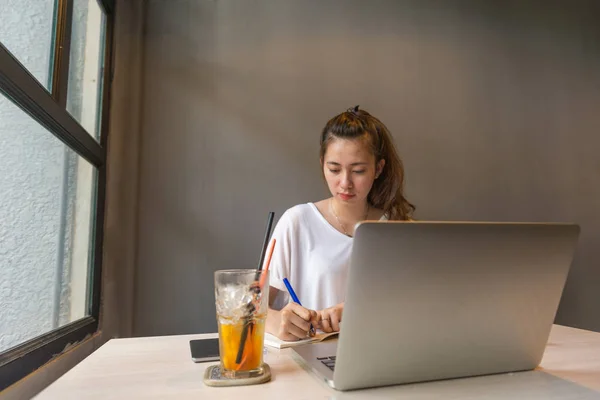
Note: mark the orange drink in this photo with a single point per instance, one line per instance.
(241, 314)
(230, 335)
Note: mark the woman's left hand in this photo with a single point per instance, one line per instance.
(331, 318)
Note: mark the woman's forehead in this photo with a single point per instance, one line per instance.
(357, 149)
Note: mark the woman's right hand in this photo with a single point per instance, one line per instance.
(296, 321)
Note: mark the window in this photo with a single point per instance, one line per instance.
(45, 212)
(85, 66)
(54, 65)
(27, 31)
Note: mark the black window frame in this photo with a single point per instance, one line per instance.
(49, 109)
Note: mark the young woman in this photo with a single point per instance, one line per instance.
(365, 177)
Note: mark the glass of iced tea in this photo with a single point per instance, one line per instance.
(241, 314)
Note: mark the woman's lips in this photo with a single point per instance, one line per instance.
(346, 196)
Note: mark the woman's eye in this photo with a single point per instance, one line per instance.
(362, 171)
(334, 171)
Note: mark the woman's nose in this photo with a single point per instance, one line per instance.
(346, 182)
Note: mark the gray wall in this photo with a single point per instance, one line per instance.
(493, 105)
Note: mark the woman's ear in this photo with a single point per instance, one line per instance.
(379, 168)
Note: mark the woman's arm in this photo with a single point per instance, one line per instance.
(273, 316)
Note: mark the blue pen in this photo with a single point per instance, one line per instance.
(295, 298)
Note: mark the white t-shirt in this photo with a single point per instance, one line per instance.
(312, 255)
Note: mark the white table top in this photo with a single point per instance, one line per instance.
(161, 367)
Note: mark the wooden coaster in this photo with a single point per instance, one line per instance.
(213, 377)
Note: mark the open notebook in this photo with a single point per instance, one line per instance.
(273, 341)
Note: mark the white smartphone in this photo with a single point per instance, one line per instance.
(204, 350)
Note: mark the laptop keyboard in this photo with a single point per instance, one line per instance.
(328, 361)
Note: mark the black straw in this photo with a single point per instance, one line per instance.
(265, 244)
(248, 323)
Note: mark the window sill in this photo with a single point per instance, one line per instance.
(39, 379)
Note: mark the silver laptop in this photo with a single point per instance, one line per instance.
(437, 300)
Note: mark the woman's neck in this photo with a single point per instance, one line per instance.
(350, 212)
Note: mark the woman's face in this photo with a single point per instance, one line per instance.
(349, 169)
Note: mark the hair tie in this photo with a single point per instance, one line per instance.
(353, 110)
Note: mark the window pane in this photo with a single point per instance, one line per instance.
(45, 223)
(85, 65)
(27, 31)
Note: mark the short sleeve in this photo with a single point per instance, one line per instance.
(281, 259)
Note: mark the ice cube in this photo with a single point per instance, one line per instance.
(234, 300)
